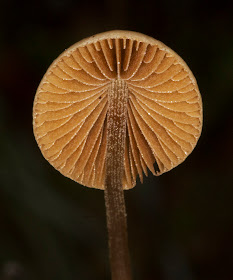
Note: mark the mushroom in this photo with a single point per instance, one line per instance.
(111, 107)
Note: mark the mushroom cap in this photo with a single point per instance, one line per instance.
(164, 109)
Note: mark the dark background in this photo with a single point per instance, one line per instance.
(180, 224)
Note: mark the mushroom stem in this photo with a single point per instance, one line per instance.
(114, 193)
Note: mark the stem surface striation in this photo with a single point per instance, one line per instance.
(114, 193)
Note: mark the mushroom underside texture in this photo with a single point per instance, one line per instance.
(163, 109)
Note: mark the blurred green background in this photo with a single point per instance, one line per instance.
(180, 224)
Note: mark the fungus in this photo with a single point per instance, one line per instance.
(108, 109)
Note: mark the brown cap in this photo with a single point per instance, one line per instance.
(164, 111)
